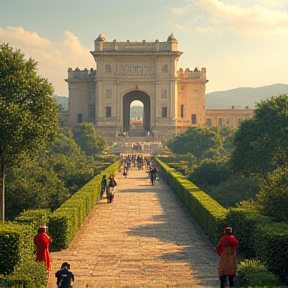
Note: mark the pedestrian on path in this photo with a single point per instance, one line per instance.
(226, 249)
(42, 242)
(65, 278)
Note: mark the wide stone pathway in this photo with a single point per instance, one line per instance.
(144, 238)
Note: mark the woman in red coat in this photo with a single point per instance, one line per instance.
(42, 242)
(226, 249)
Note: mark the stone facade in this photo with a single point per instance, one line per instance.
(173, 99)
(227, 117)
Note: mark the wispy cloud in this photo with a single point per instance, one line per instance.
(256, 20)
(180, 10)
(53, 58)
(262, 19)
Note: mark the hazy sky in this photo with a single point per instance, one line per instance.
(241, 43)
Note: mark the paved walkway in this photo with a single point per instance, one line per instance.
(144, 238)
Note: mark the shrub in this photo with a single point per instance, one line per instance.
(251, 273)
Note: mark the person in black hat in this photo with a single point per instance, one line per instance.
(65, 278)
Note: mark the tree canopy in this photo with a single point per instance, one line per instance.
(261, 143)
(196, 141)
(88, 140)
(29, 115)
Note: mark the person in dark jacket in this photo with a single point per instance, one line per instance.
(65, 278)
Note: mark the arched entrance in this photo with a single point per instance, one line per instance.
(127, 100)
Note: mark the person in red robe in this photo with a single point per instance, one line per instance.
(226, 249)
(42, 242)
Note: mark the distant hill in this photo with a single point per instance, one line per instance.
(241, 97)
(238, 97)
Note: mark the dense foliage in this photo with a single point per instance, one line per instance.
(196, 141)
(261, 143)
(88, 140)
(272, 200)
(47, 181)
(29, 115)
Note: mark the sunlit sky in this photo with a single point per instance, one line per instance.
(240, 43)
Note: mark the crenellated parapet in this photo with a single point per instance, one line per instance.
(101, 45)
(189, 74)
(83, 75)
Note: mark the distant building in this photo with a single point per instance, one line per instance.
(227, 117)
(173, 100)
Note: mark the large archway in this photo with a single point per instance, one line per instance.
(127, 100)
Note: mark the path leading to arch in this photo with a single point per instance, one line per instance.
(144, 238)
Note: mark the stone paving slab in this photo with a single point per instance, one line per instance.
(144, 238)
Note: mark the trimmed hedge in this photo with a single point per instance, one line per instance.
(66, 220)
(209, 213)
(244, 223)
(17, 259)
(271, 242)
(258, 236)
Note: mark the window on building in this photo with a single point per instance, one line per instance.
(164, 94)
(91, 111)
(107, 68)
(164, 112)
(108, 112)
(79, 118)
(109, 93)
(220, 122)
(193, 119)
(181, 111)
(165, 69)
(227, 121)
(208, 122)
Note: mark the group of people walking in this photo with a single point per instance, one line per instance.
(226, 247)
(107, 185)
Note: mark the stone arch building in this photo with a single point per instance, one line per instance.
(173, 100)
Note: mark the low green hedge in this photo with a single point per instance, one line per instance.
(17, 260)
(209, 213)
(271, 242)
(244, 223)
(18, 267)
(258, 236)
(66, 220)
(11, 242)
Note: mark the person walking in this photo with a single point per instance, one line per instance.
(42, 242)
(65, 278)
(226, 249)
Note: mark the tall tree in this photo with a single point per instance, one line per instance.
(196, 141)
(261, 143)
(29, 115)
(86, 137)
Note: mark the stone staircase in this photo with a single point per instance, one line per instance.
(137, 131)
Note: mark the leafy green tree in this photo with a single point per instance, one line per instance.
(261, 143)
(272, 200)
(196, 141)
(67, 160)
(210, 172)
(86, 137)
(31, 186)
(234, 191)
(29, 115)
